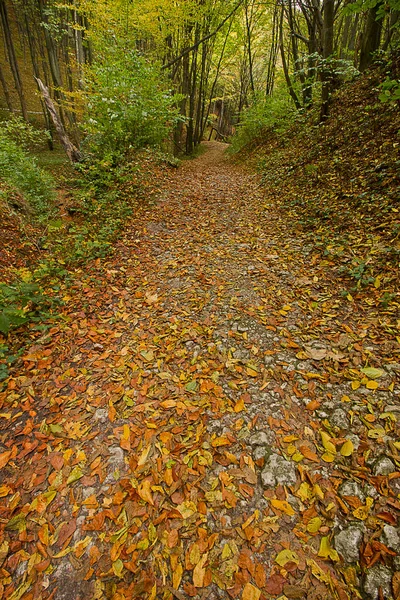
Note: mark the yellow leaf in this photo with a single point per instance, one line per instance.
(283, 506)
(304, 492)
(239, 406)
(118, 567)
(314, 525)
(286, 556)
(199, 572)
(355, 385)
(251, 372)
(290, 438)
(220, 441)
(144, 491)
(326, 550)
(250, 592)
(327, 443)
(63, 553)
(143, 457)
(168, 404)
(346, 398)
(4, 491)
(297, 456)
(177, 576)
(328, 457)
(372, 385)
(372, 373)
(226, 552)
(319, 573)
(75, 474)
(347, 449)
(362, 512)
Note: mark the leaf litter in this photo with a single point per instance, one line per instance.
(198, 425)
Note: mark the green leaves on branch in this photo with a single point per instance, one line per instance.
(129, 106)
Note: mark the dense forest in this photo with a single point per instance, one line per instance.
(129, 73)
(199, 299)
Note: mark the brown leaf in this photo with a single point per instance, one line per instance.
(274, 584)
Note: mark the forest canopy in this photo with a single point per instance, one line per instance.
(127, 73)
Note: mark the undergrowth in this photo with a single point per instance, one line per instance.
(337, 185)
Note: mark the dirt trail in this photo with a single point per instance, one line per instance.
(164, 441)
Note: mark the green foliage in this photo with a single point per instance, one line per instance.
(275, 113)
(390, 90)
(23, 134)
(128, 105)
(21, 302)
(21, 175)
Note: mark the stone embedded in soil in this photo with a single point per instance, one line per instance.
(383, 466)
(391, 537)
(348, 542)
(375, 578)
(260, 439)
(277, 471)
(339, 419)
(351, 488)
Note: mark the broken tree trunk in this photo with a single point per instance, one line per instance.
(73, 153)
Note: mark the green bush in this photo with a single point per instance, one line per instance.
(276, 113)
(24, 134)
(20, 174)
(128, 105)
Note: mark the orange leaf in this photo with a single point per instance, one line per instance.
(144, 491)
(4, 458)
(199, 572)
(250, 592)
(220, 441)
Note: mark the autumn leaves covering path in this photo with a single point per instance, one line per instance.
(199, 425)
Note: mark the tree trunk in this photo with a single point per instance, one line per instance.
(326, 73)
(73, 153)
(6, 92)
(8, 41)
(289, 84)
(371, 37)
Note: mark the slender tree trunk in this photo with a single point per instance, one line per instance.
(371, 37)
(9, 44)
(273, 54)
(248, 45)
(326, 72)
(6, 92)
(36, 72)
(289, 83)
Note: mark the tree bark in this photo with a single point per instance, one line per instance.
(73, 153)
(371, 37)
(6, 92)
(9, 44)
(326, 72)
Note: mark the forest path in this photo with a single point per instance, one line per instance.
(164, 440)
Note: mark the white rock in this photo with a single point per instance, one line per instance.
(375, 578)
(383, 466)
(348, 542)
(277, 471)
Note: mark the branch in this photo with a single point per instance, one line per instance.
(204, 39)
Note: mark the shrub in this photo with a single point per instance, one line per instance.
(20, 174)
(276, 112)
(128, 105)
